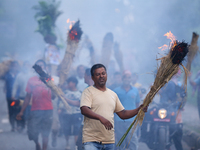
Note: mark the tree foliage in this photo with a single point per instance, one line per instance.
(46, 16)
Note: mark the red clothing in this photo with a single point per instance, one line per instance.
(41, 94)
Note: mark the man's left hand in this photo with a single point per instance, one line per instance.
(144, 109)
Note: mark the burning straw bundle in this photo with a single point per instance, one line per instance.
(73, 39)
(50, 83)
(169, 66)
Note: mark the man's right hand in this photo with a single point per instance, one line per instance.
(108, 125)
(19, 116)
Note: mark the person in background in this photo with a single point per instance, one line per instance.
(130, 99)
(98, 105)
(8, 89)
(40, 120)
(134, 80)
(20, 88)
(117, 81)
(71, 121)
(56, 123)
(138, 85)
(80, 76)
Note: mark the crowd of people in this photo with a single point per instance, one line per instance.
(100, 113)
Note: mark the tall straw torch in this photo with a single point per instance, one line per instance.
(73, 38)
(168, 68)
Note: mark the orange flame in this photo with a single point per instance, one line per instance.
(70, 23)
(164, 47)
(47, 80)
(13, 103)
(68, 20)
(170, 36)
(72, 34)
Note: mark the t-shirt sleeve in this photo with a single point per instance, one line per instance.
(86, 99)
(29, 87)
(119, 107)
(197, 81)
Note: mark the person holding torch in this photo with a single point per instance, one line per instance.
(40, 120)
(98, 105)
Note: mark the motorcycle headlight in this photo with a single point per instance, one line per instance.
(162, 113)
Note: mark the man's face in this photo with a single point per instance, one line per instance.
(100, 76)
(71, 85)
(127, 79)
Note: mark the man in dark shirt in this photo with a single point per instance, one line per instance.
(9, 81)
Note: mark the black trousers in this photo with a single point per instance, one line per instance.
(12, 113)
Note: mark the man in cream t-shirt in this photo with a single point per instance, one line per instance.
(98, 105)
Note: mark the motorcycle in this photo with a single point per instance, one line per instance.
(156, 128)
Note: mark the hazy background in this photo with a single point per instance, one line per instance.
(138, 26)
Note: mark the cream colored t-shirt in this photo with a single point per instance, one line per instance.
(102, 103)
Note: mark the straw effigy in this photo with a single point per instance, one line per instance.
(193, 49)
(168, 68)
(73, 38)
(107, 49)
(118, 56)
(44, 77)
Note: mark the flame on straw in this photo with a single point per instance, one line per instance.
(13, 103)
(75, 32)
(71, 23)
(164, 47)
(170, 36)
(47, 80)
(72, 34)
(173, 44)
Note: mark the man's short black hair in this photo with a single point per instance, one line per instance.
(96, 66)
(42, 61)
(72, 79)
